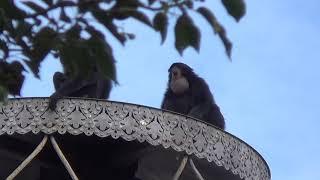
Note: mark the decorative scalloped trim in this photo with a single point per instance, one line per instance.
(134, 122)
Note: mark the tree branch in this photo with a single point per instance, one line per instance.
(176, 4)
(62, 4)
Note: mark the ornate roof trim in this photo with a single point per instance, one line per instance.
(134, 122)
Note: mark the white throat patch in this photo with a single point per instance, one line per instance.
(179, 86)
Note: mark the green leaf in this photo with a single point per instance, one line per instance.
(74, 32)
(150, 2)
(16, 78)
(186, 34)
(49, 2)
(140, 17)
(106, 20)
(64, 16)
(101, 52)
(11, 10)
(94, 32)
(90, 54)
(4, 48)
(217, 28)
(132, 4)
(8, 25)
(2, 19)
(43, 42)
(236, 8)
(11, 78)
(23, 29)
(209, 16)
(189, 4)
(114, 31)
(34, 6)
(66, 3)
(125, 8)
(23, 44)
(131, 36)
(75, 58)
(160, 23)
(226, 42)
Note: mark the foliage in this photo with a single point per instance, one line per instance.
(31, 30)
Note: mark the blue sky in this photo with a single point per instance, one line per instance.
(269, 93)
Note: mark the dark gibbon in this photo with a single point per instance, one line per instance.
(189, 94)
(93, 86)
